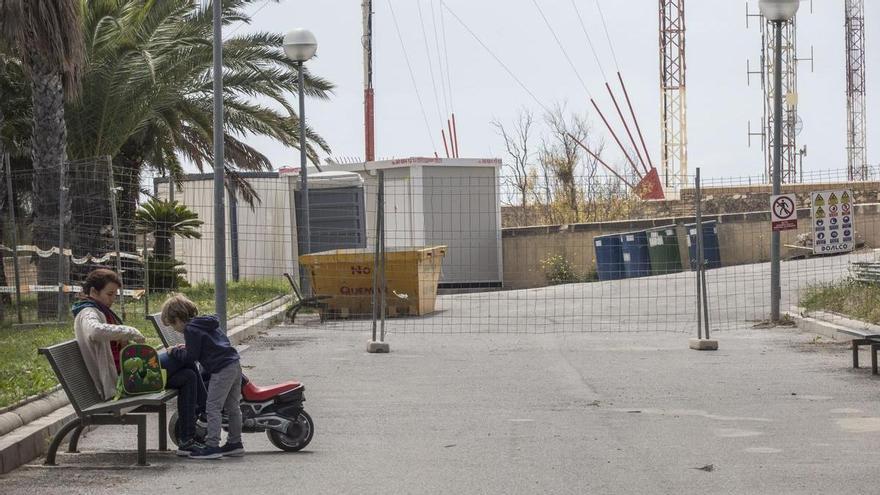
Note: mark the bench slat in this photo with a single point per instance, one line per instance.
(168, 335)
(126, 404)
(70, 368)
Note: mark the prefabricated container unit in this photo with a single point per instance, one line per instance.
(336, 212)
(711, 245)
(440, 202)
(609, 257)
(664, 250)
(261, 235)
(636, 257)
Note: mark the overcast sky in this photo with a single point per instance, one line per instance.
(720, 103)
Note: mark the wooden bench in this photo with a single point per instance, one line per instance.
(92, 410)
(314, 302)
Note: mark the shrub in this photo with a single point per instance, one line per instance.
(558, 270)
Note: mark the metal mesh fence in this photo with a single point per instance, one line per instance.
(58, 225)
(467, 249)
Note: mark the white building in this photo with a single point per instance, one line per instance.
(428, 201)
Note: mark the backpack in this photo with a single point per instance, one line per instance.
(140, 371)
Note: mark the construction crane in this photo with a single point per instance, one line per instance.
(673, 117)
(856, 128)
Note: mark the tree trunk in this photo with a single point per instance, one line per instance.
(127, 176)
(5, 300)
(48, 152)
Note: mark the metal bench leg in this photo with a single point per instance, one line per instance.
(58, 438)
(874, 359)
(293, 313)
(163, 428)
(141, 422)
(855, 349)
(74, 439)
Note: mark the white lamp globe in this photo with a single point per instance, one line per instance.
(300, 45)
(779, 10)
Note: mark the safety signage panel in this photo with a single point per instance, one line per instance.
(783, 212)
(833, 222)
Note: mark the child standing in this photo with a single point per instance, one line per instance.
(207, 343)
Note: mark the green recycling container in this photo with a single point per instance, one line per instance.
(663, 249)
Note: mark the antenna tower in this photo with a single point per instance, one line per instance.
(369, 113)
(791, 124)
(857, 159)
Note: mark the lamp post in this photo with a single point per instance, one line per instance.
(219, 176)
(300, 45)
(778, 12)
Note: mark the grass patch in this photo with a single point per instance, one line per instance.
(851, 298)
(24, 373)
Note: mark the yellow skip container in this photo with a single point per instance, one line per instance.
(346, 275)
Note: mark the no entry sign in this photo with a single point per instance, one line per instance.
(783, 212)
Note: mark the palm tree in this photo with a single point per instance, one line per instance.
(166, 220)
(44, 35)
(147, 88)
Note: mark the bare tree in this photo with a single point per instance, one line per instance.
(517, 143)
(562, 155)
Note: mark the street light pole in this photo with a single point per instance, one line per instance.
(304, 177)
(219, 179)
(778, 12)
(775, 269)
(300, 45)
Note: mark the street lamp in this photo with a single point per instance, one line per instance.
(300, 45)
(778, 12)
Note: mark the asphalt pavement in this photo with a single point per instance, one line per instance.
(773, 411)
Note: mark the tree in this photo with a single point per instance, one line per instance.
(517, 143)
(147, 88)
(166, 220)
(562, 156)
(147, 98)
(44, 35)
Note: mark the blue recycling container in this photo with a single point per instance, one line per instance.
(609, 257)
(711, 246)
(636, 255)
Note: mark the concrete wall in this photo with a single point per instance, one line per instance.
(743, 237)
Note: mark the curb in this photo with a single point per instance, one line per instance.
(25, 431)
(31, 411)
(273, 313)
(31, 440)
(831, 325)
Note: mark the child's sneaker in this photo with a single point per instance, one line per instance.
(206, 453)
(232, 449)
(187, 447)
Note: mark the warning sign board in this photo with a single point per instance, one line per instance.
(783, 212)
(833, 221)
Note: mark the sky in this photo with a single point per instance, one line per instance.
(720, 102)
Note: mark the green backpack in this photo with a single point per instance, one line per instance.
(140, 371)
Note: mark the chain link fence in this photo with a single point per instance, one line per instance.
(468, 247)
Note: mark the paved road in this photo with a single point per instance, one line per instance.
(773, 412)
(666, 303)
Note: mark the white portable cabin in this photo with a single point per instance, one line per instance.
(263, 233)
(440, 201)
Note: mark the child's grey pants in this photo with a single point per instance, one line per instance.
(224, 393)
